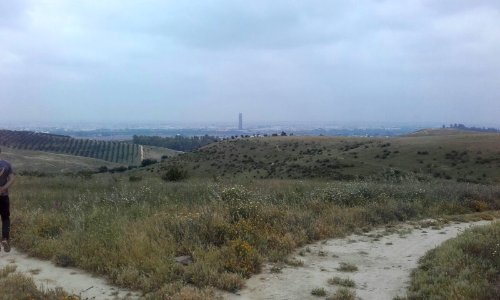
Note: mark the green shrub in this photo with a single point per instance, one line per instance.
(466, 267)
(175, 174)
(240, 257)
(148, 161)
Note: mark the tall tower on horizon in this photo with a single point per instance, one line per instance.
(240, 124)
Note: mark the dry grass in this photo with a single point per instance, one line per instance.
(341, 281)
(46, 163)
(319, 292)
(347, 267)
(16, 286)
(343, 294)
(131, 232)
(229, 220)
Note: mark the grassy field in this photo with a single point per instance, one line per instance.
(132, 231)
(131, 226)
(38, 161)
(467, 267)
(467, 157)
(158, 153)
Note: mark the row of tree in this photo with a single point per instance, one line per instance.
(119, 152)
(180, 143)
(480, 129)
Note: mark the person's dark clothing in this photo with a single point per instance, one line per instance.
(5, 214)
(5, 172)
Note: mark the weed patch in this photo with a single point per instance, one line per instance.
(343, 294)
(319, 292)
(462, 268)
(341, 281)
(347, 267)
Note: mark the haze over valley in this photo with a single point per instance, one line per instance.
(193, 150)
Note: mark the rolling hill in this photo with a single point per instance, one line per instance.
(468, 157)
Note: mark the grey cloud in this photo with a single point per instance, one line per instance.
(284, 60)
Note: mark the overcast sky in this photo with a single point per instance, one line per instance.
(329, 61)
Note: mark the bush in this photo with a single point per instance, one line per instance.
(175, 174)
(118, 169)
(102, 169)
(148, 161)
(134, 178)
(235, 194)
(242, 258)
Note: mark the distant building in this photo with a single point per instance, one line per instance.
(240, 124)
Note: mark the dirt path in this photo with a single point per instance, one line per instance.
(384, 258)
(142, 152)
(73, 281)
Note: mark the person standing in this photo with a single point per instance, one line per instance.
(6, 180)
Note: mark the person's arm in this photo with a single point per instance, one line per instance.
(8, 183)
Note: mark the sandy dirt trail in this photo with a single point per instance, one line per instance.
(384, 258)
(47, 275)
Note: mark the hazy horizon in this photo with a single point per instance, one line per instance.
(344, 62)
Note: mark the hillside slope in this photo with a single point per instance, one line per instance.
(460, 157)
(45, 162)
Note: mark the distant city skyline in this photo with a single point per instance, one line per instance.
(228, 125)
(304, 61)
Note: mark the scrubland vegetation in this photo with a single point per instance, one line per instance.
(212, 206)
(467, 267)
(471, 158)
(132, 231)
